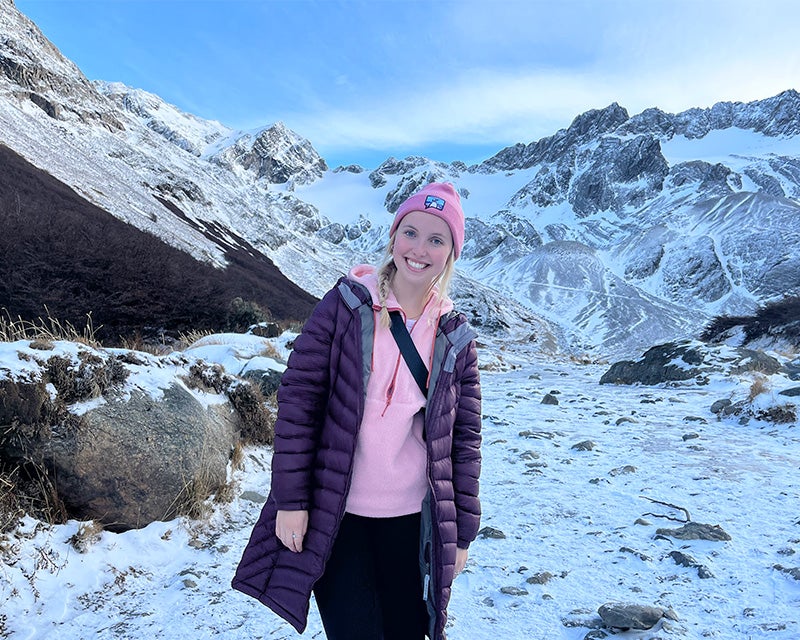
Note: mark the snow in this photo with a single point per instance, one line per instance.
(587, 517)
(724, 145)
(237, 353)
(342, 196)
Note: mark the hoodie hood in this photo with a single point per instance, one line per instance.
(367, 275)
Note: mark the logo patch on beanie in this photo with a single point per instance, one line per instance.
(435, 203)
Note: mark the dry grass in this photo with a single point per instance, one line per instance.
(192, 502)
(225, 493)
(190, 337)
(87, 535)
(10, 511)
(27, 489)
(237, 456)
(138, 343)
(45, 330)
(759, 385)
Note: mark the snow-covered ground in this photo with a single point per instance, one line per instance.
(586, 517)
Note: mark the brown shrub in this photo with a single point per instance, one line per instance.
(255, 412)
(90, 379)
(208, 377)
(760, 385)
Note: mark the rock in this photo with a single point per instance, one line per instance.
(696, 531)
(513, 591)
(687, 360)
(265, 330)
(792, 392)
(686, 560)
(794, 572)
(253, 496)
(719, 405)
(135, 460)
(642, 556)
(792, 369)
(268, 380)
(549, 398)
(490, 532)
(630, 616)
(107, 450)
(540, 578)
(690, 436)
(628, 468)
(586, 445)
(597, 634)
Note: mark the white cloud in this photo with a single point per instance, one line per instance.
(673, 56)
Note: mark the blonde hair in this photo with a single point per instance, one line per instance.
(387, 269)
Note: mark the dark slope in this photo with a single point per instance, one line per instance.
(61, 252)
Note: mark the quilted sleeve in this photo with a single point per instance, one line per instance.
(302, 400)
(467, 450)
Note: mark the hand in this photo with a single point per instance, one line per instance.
(461, 560)
(291, 527)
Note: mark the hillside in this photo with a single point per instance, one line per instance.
(67, 258)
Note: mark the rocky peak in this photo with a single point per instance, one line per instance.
(33, 69)
(584, 128)
(275, 155)
(775, 116)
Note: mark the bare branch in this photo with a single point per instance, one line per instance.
(687, 517)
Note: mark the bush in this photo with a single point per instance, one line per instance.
(242, 314)
(778, 319)
(256, 413)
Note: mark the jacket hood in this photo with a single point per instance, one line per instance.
(367, 275)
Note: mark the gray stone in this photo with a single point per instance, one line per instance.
(549, 398)
(719, 405)
(630, 616)
(513, 591)
(696, 531)
(685, 560)
(134, 460)
(268, 380)
(253, 496)
(682, 361)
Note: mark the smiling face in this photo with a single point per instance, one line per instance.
(422, 244)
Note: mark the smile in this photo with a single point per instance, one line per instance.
(416, 265)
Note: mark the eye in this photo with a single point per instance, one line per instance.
(437, 241)
(409, 233)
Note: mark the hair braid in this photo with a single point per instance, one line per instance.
(384, 280)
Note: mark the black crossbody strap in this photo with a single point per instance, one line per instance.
(409, 351)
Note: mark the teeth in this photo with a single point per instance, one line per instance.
(416, 265)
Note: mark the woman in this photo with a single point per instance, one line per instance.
(374, 496)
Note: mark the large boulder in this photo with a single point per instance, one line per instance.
(121, 437)
(688, 360)
(139, 458)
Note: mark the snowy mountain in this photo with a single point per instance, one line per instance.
(608, 236)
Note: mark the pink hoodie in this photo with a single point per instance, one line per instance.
(389, 468)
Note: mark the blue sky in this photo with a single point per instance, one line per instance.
(450, 80)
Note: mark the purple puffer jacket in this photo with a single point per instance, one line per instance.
(321, 401)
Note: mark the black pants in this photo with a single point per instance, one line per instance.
(371, 589)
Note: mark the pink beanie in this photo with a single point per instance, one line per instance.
(439, 199)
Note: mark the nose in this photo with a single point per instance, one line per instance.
(418, 246)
